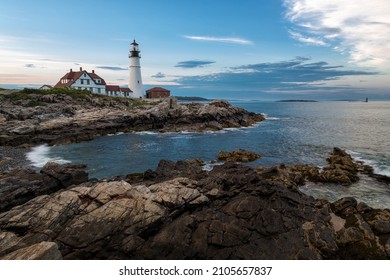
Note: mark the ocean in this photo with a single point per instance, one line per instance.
(293, 132)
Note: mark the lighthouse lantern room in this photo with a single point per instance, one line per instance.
(135, 78)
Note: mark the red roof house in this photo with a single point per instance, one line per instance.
(157, 92)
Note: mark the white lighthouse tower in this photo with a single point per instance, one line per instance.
(135, 79)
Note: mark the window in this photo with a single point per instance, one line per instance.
(87, 82)
(99, 90)
(82, 81)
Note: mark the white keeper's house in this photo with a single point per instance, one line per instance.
(92, 82)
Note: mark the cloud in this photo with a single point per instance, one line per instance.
(112, 68)
(194, 63)
(359, 29)
(29, 65)
(307, 40)
(231, 40)
(159, 75)
(298, 74)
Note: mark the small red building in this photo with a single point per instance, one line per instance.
(157, 92)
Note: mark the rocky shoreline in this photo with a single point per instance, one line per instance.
(33, 117)
(181, 211)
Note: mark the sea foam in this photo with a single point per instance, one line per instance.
(271, 118)
(378, 168)
(39, 156)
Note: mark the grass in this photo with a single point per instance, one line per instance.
(17, 96)
(30, 95)
(74, 93)
(137, 104)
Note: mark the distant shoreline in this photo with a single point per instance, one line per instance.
(296, 100)
(192, 98)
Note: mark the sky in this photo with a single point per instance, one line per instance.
(245, 50)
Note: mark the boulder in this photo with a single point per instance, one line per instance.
(167, 169)
(66, 174)
(238, 155)
(341, 169)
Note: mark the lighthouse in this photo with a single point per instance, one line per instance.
(135, 78)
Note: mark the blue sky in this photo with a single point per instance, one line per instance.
(251, 49)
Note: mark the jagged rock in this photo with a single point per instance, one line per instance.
(345, 206)
(220, 103)
(238, 155)
(92, 217)
(9, 242)
(379, 220)
(40, 251)
(364, 231)
(24, 129)
(66, 174)
(20, 185)
(169, 169)
(342, 169)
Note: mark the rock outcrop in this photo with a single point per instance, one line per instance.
(180, 211)
(20, 185)
(341, 169)
(238, 155)
(34, 118)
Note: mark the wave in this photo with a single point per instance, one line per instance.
(268, 117)
(114, 134)
(209, 166)
(378, 167)
(146, 132)
(38, 156)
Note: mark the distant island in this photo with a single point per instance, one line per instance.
(191, 98)
(296, 100)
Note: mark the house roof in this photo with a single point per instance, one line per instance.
(157, 89)
(72, 76)
(126, 90)
(112, 88)
(94, 76)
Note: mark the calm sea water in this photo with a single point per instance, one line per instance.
(292, 133)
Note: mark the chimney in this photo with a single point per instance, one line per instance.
(81, 68)
(93, 71)
(70, 70)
